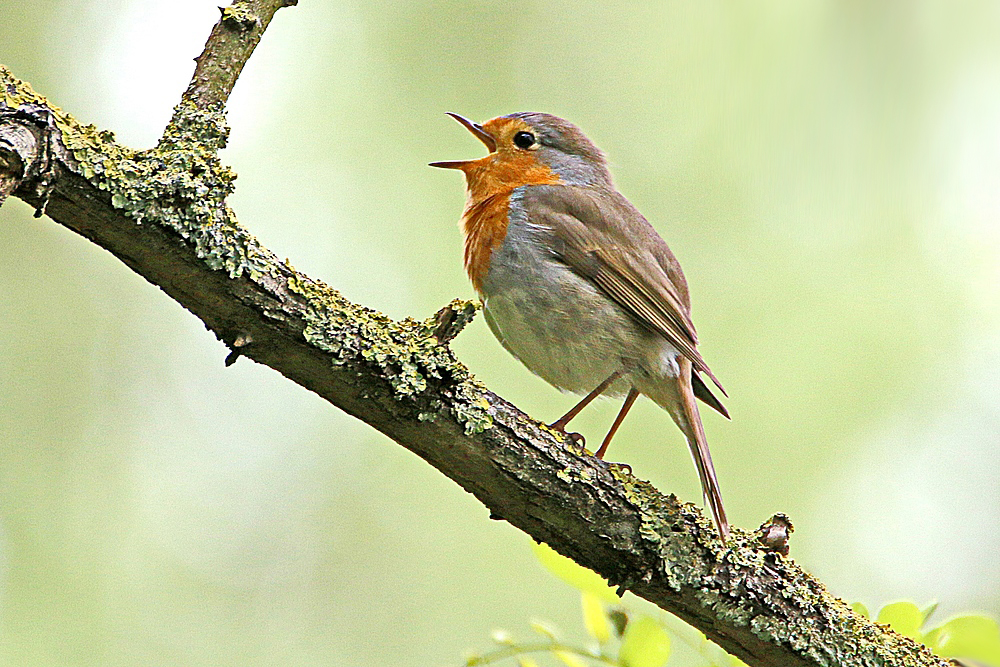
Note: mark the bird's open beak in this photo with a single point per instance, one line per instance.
(480, 134)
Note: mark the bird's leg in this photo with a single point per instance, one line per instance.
(560, 424)
(633, 394)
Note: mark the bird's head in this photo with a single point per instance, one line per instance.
(528, 148)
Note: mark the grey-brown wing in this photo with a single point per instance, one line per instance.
(588, 229)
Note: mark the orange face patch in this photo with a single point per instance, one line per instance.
(508, 167)
(489, 182)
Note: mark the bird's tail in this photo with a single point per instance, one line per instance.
(681, 405)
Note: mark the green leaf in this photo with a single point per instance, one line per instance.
(860, 608)
(569, 659)
(932, 639)
(974, 637)
(715, 655)
(594, 618)
(646, 644)
(619, 619)
(526, 662)
(903, 617)
(544, 629)
(928, 610)
(575, 575)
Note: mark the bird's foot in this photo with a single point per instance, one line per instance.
(575, 438)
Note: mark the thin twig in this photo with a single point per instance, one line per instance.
(228, 48)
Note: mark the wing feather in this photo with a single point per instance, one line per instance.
(644, 278)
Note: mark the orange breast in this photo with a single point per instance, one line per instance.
(484, 223)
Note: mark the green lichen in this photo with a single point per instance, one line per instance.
(405, 352)
(725, 580)
(180, 184)
(431, 415)
(15, 93)
(575, 473)
(450, 320)
(240, 15)
(471, 408)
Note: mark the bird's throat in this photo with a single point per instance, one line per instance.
(489, 184)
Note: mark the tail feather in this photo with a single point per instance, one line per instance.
(709, 482)
(684, 409)
(705, 395)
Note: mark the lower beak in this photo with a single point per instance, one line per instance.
(450, 164)
(479, 133)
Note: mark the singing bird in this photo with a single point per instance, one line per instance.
(576, 283)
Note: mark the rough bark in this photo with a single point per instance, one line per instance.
(163, 213)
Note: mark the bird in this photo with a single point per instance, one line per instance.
(575, 282)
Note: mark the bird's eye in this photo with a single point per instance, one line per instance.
(524, 140)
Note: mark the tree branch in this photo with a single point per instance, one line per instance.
(163, 213)
(228, 48)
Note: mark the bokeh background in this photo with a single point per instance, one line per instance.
(827, 172)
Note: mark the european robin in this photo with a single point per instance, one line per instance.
(576, 283)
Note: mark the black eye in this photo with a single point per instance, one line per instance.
(524, 140)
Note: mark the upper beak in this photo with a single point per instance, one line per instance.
(480, 134)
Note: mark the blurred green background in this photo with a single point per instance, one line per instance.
(827, 173)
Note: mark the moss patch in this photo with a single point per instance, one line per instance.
(240, 15)
(406, 353)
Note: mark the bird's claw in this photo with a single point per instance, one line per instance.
(625, 466)
(575, 438)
